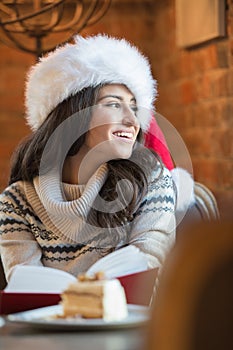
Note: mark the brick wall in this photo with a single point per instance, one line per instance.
(12, 126)
(196, 96)
(195, 89)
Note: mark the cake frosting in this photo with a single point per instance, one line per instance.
(95, 298)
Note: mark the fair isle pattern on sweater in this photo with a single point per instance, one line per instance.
(29, 235)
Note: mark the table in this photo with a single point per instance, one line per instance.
(23, 337)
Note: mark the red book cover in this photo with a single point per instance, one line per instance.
(11, 302)
(138, 289)
(139, 286)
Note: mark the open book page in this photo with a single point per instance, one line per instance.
(36, 279)
(124, 261)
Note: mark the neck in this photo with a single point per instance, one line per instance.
(79, 168)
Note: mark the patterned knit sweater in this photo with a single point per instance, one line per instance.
(44, 223)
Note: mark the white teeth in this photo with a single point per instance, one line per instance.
(124, 134)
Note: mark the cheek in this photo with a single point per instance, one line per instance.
(97, 135)
(137, 131)
(103, 116)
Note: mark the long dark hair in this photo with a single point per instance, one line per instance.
(26, 160)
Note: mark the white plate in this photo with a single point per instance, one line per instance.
(44, 318)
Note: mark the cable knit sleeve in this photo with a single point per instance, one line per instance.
(17, 243)
(153, 229)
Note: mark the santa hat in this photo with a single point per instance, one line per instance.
(92, 61)
(88, 62)
(155, 140)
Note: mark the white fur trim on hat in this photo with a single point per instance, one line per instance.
(88, 62)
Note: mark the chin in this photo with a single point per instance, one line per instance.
(125, 153)
(121, 153)
(126, 156)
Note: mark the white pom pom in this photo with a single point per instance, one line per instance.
(185, 188)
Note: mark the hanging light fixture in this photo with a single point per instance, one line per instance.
(37, 26)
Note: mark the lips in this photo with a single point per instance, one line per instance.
(128, 135)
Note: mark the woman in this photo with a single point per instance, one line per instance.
(82, 185)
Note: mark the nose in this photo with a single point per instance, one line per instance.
(129, 116)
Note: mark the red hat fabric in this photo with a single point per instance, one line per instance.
(154, 139)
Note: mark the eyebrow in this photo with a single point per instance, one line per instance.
(115, 96)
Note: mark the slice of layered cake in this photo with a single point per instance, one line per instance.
(95, 298)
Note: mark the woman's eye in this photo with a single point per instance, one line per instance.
(134, 108)
(118, 105)
(113, 104)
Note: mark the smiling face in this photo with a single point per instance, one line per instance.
(114, 125)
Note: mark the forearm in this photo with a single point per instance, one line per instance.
(154, 226)
(155, 241)
(17, 242)
(18, 248)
